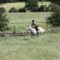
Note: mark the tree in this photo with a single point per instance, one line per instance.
(5, 1)
(1, 1)
(11, 0)
(54, 19)
(3, 20)
(55, 1)
(30, 4)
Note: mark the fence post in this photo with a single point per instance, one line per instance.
(14, 30)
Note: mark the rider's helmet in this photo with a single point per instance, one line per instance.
(33, 20)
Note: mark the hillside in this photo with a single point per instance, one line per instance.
(18, 5)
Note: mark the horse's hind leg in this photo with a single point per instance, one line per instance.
(37, 33)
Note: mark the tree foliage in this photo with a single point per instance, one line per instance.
(54, 19)
(30, 4)
(5, 1)
(55, 1)
(3, 20)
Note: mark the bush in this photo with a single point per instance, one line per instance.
(13, 10)
(49, 8)
(34, 9)
(42, 8)
(54, 19)
(31, 4)
(53, 7)
(3, 20)
(2, 10)
(22, 10)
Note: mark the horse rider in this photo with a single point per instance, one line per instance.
(34, 25)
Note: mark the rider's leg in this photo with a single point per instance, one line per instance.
(37, 31)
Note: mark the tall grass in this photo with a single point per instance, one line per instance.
(44, 47)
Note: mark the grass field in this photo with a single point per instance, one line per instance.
(21, 20)
(43, 47)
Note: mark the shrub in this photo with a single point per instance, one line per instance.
(22, 10)
(42, 8)
(54, 19)
(49, 8)
(31, 4)
(13, 10)
(3, 20)
(34, 9)
(53, 7)
(2, 10)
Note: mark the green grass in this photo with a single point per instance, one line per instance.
(44, 47)
(21, 20)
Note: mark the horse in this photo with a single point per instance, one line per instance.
(33, 31)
